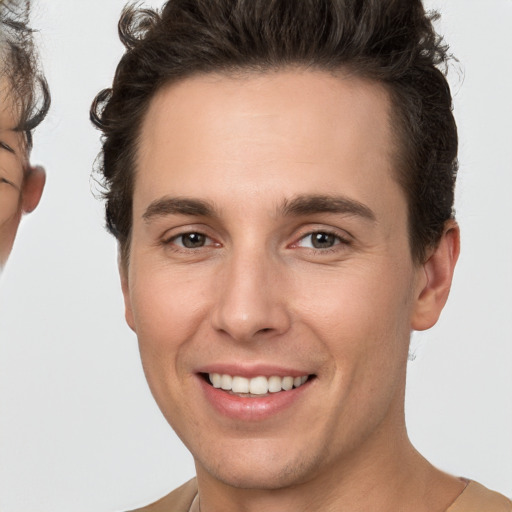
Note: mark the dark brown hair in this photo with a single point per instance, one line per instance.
(26, 85)
(391, 42)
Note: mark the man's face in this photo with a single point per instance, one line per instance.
(270, 240)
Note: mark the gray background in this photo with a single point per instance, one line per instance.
(79, 430)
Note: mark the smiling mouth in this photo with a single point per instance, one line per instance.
(255, 387)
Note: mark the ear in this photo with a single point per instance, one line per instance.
(436, 279)
(33, 186)
(123, 274)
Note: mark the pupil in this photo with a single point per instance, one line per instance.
(323, 240)
(193, 240)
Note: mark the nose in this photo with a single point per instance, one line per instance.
(251, 296)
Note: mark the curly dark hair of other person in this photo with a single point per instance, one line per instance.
(393, 43)
(24, 83)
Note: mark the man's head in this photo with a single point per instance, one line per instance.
(391, 43)
(284, 224)
(24, 101)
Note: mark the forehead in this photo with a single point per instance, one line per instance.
(288, 131)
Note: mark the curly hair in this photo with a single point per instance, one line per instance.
(393, 43)
(26, 86)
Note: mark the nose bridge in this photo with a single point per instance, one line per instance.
(250, 302)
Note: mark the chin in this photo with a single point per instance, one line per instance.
(262, 468)
(253, 478)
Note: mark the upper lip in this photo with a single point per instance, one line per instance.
(250, 371)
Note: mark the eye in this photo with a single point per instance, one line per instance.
(320, 240)
(4, 180)
(6, 146)
(192, 240)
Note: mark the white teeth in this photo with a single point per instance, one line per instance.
(240, 385)
(216, 380)
(226, 382)
(274, 384)
(287, 383)
(257, 385)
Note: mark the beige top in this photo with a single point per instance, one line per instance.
(477, 498)
(474, 498)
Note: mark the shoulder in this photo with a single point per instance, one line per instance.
(178, 500)
(477, 498)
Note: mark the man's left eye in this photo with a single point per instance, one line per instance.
(320, 240)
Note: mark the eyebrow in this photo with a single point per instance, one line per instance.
(298, 206)
(178, 206)
(311, 204)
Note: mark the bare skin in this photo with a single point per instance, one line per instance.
(268, 229)
(21, 185)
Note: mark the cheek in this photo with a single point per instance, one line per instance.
(9, 222)
(361, 315)
(354, 298)
(362, 323)
(10, 206)
(167, 308)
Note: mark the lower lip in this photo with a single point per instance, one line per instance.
(251, 409)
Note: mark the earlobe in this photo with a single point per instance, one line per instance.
(33, 187)
(123, 274)
(437, 279)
